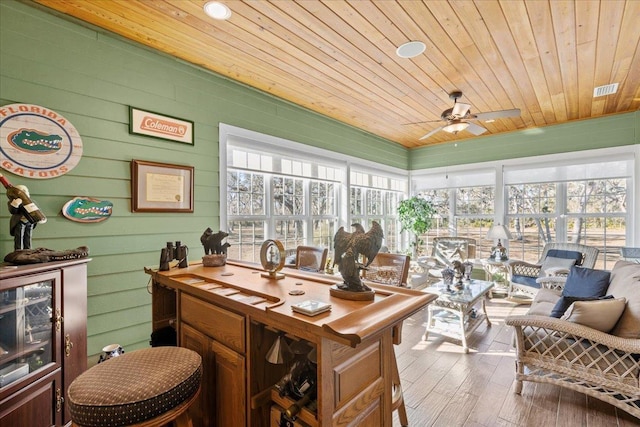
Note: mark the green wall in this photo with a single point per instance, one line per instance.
(92, 79)
(609, 131)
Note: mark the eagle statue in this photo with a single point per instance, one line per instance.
(349, 246)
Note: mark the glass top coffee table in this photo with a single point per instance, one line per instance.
(457, 314)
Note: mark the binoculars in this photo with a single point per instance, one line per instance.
(169, 253)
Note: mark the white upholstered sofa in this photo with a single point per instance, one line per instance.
(593, 348)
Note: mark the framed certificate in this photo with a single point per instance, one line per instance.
(161, 187)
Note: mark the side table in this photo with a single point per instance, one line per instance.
(491, 268)
(456, 314)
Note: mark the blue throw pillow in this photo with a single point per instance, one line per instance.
(564, 302)
(586, 282)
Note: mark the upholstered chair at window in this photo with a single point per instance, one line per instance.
(311, 258)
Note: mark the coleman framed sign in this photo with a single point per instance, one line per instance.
(160, 126)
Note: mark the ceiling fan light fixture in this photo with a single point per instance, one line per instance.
(455, 126)
(217, 10)
(410, 49)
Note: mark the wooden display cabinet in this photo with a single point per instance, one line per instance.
(43, 340)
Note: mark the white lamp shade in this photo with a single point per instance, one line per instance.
(498, 231)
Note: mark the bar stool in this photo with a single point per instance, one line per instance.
(149, 387)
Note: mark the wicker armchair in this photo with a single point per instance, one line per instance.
(444, 251)
(524, 277)
(604, 365)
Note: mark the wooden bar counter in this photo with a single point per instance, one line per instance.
(232, 315)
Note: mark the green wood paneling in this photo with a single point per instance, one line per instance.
(609, 131)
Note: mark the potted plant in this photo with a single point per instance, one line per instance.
(415, 215)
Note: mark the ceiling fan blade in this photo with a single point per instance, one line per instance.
(490, 115)
(475, 129)
(438, 129)
(460, 109)
(418, 123)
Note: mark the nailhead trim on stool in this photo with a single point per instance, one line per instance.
(134, 387)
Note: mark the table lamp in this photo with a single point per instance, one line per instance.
(497, 231)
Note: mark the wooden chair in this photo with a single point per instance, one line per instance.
(311, 258)
(389, 269)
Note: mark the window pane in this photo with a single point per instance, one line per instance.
(245, 238)
(476, 228)
(290, 233)
(392, 200)
(529, 237)
(356, 201)
(391, 235)
(474, 200)
(374, 202)
(598, 196)
(322, 198)
(288, 196)
(245, 193)
(532, 198)
(605, 233)
(323, 232)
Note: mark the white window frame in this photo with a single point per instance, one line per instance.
(421, 179)
(286, 147)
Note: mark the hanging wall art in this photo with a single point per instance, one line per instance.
(36, 142)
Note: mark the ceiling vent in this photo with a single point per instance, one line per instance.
(605, 90)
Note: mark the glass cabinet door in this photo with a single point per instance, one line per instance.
(27, 326)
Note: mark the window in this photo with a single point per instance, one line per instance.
(375, 197)
(462, 210)
(594, 214)
(581, 202)
(274, 192)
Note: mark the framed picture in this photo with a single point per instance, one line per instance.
(161, 187)
(160, 126)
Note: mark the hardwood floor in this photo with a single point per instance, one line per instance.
(445, 387)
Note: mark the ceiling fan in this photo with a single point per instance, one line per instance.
(457, 118)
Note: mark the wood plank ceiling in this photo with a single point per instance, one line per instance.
(338, 58)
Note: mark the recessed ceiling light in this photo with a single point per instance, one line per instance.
(217, 10)
(410, 49)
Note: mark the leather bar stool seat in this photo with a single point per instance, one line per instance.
(136, 387)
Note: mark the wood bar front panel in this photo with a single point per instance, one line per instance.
(221, 325)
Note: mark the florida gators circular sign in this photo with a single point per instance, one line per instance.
(36, 142)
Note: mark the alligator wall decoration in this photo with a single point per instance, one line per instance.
(87, 209)
(35, 142)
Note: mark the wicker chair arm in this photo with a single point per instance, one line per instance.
(427, 262)
(523, 268)
(551, 324)
(552, 282)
